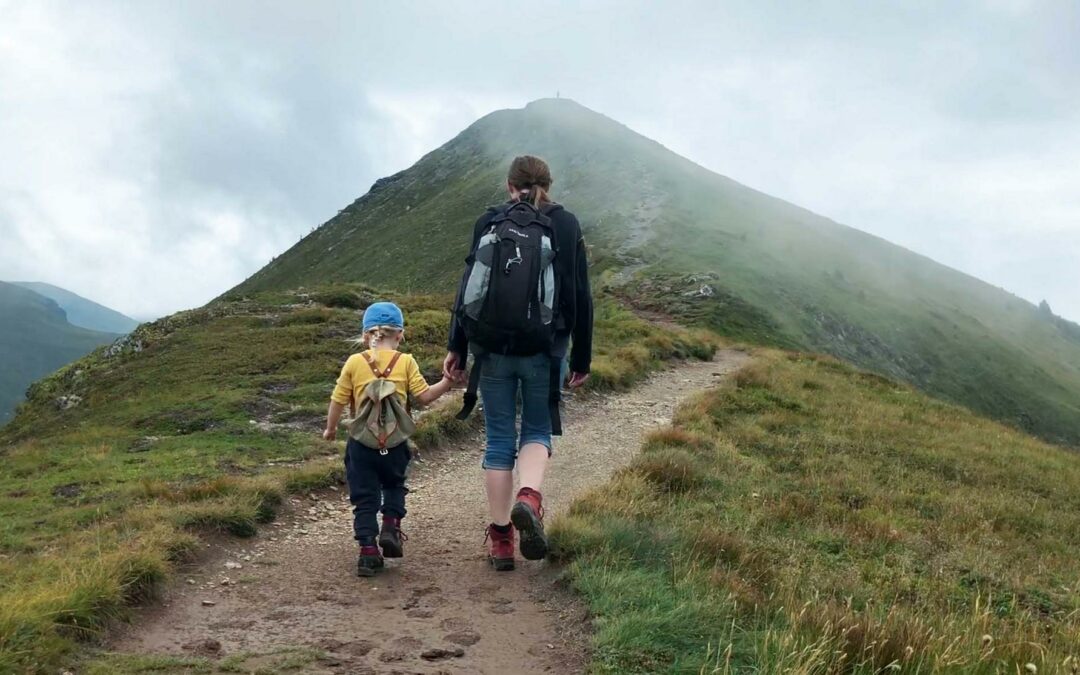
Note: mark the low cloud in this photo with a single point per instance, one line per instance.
(159, 153)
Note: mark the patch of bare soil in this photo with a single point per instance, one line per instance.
(441, 609)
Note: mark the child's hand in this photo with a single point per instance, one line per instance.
(329, 434)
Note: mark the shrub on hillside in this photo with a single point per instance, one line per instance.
(340, 298)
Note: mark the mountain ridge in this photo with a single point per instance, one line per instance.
(82, 312)
(36, 339)
(777, 272)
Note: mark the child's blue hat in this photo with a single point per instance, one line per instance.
(383, 314)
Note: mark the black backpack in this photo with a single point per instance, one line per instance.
(509, 303)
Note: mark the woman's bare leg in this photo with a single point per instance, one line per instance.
(531, 463)
(500, 490)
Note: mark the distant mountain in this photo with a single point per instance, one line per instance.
(668, 235)
(36, 339)
(82, 312)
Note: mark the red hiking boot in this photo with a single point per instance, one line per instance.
(501, 553)
(528, 517)
(391, 536)
(369, 561)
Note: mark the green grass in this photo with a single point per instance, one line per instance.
(660, 227)
(203, 422)
(812, 518)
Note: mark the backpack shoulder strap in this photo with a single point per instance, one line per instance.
(381, 374)
(390, 366)
(370, 360)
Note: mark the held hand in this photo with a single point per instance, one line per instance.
(329, 434)
(453, 368)
(577, 379)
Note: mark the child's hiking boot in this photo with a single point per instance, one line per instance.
(370, 560)
(391, 536)
(501, 552)
(528, 517)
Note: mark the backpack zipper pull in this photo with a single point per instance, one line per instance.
(516, 260)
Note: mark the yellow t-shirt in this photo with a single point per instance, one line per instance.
(356, 374)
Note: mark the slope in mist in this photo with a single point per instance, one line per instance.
(35, 339)
(670, 235)
(82, 312)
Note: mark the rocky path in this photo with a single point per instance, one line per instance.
(441, 609)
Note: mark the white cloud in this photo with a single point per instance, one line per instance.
(161, 152)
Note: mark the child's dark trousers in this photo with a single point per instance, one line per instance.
(375, 480)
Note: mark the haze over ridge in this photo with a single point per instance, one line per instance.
(951, 131)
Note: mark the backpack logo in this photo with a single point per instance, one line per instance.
(520, 234)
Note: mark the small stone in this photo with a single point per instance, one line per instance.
(208, 603)
(206, 647)
(230, 565)
(421, 613)
(190, 582)
(439, 653)
(462, 637)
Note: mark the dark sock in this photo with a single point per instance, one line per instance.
(501, 529)
(367, 541)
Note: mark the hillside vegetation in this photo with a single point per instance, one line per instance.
(35, 339)
(201, 421)
(813, 518)
(680, 239)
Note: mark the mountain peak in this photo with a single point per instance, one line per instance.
(678, 238)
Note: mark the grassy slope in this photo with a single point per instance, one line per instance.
(81, 311)
(812, 518)
(203, 421)
(783, 275)
(35, 339)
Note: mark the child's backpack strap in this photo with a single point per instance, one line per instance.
(382, 375)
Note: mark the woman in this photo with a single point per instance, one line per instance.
(506, 376)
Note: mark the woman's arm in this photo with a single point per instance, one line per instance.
(581, 353)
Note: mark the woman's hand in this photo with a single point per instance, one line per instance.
(329, 434)
(577, 379)
(453, 367)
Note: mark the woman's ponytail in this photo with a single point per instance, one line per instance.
(539, 196)
(531, 175)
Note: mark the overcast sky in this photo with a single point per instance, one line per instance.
(154, 154)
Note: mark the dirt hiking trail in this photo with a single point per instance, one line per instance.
(442, 608)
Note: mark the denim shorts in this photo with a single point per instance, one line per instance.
(502, 380)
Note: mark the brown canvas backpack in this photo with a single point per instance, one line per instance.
(381, 421)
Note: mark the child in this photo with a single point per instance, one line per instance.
(378, 476)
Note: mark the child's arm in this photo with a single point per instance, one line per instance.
(418, 386)
(333, 416)
(343, 394)
(435, 391)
